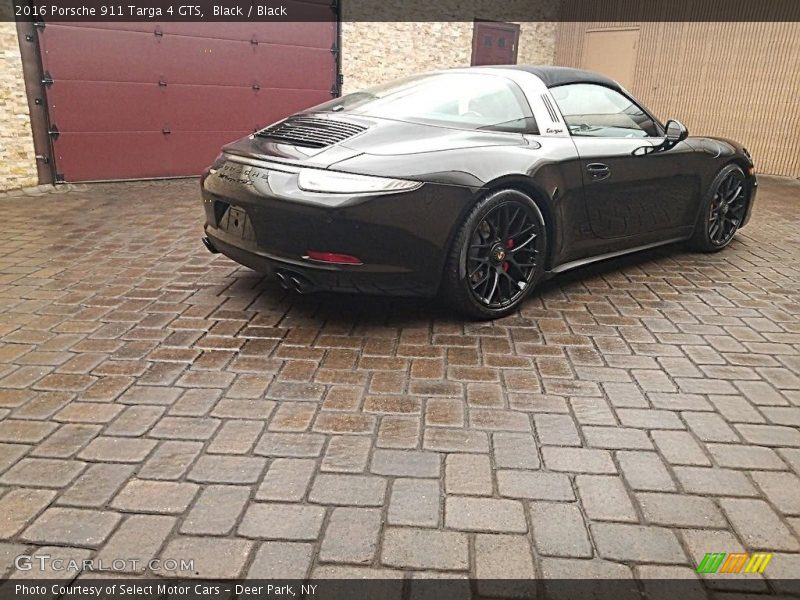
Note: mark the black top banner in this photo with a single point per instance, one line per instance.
(400, 10)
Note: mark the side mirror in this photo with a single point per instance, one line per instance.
(676, 132)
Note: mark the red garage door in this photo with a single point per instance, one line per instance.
(137, 100)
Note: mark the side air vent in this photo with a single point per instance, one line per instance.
(550, 109)
(310, 132)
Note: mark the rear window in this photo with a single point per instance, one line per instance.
(463, 100)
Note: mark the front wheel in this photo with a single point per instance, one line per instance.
(497, 256)
(723, 210)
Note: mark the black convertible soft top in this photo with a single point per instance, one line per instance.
(554, 76)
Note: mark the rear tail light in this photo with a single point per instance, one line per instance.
(333, 257)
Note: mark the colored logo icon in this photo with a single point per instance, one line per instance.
(721, 562)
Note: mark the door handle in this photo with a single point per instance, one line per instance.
(598, 171)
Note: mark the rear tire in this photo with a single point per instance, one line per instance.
(497, 256)
(723, 210)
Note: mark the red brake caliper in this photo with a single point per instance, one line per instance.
(509, 245)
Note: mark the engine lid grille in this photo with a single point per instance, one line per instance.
(310, 132)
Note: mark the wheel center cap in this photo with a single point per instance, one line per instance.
(498, 254)
(724, 209)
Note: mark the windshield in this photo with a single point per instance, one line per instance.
(465, 100)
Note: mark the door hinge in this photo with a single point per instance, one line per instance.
(38, 24)
(157, 32)
(54, 132)
(341, 79)
(43, 158)
(47, 79)
(162, 83)
(335, 49)
(166, 130)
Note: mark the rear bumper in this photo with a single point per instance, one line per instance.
(401, 239)
(305, 277)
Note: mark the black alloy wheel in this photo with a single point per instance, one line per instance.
(502, 255)
(724, 210)
(727, 209)
(501, 248)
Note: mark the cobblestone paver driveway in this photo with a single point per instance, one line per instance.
(158, 401)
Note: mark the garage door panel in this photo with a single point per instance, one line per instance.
(106, 155)
(223, 62)
(203, 108)
(141, 26)
(299, 68)
(83, 53)
(321, 35)
(139, 107)
(132, 155)
(181, 59)
(148, 107)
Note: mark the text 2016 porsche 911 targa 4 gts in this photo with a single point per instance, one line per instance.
(473, 183)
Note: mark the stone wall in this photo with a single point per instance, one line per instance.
(17, 156)
(377, 52)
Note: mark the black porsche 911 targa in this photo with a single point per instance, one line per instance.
(473, 183)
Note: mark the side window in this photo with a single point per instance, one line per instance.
(597, 111)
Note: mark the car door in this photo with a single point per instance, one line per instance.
(632, 196)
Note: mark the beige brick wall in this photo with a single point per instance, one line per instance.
(17, 157)
(374, 53)
(377, 52)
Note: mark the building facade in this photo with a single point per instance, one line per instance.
(155, 101)
(373, 53)
(735, 80)
(104, 115)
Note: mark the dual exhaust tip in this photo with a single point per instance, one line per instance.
(292, 281)
(289, 280)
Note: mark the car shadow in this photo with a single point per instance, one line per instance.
(339, 310)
